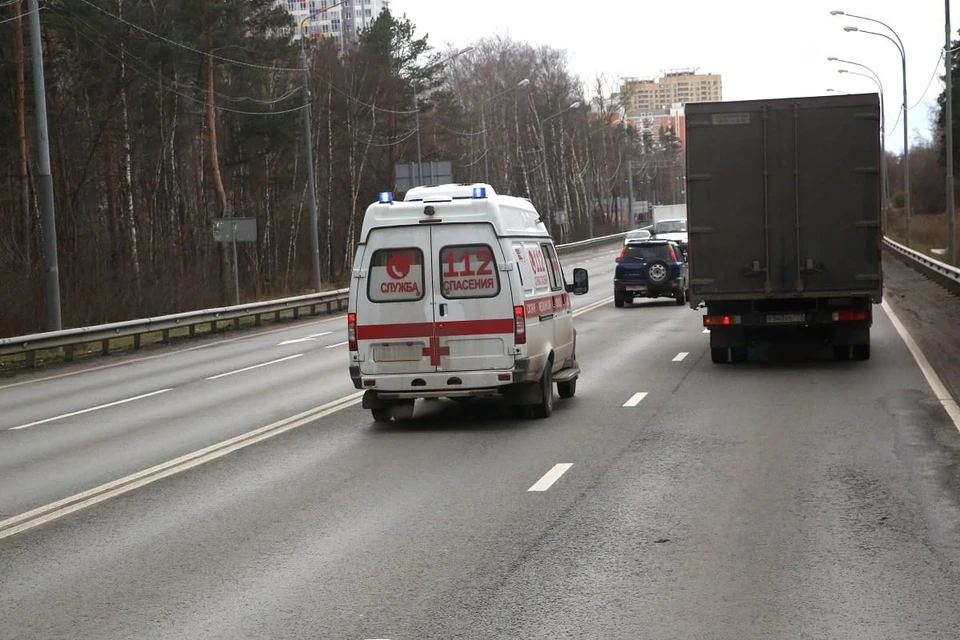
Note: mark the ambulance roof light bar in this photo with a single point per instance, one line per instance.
(386, 197)
(479, 193)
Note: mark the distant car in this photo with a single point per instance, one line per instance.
(675, 229)
(636, 234)
(650, 269)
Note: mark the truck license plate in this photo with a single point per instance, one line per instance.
(636, 288)
(786, 318)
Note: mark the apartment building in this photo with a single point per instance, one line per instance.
(679, 86)
(337, 19)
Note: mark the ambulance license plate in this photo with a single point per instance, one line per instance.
(397, 352)
(786, 318)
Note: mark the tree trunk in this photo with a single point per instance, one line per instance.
(128, 175)
(20, 72)
(225, 258)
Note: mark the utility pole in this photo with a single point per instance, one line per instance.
(45, 177)
(948, 140)
(629, 193)
(416, 106)
(311, 179)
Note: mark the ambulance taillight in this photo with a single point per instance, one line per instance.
(352, 331)
(519, 325)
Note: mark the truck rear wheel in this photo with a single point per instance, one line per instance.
(618, 302)
(841, 352)
(861, 352)
(719, 355)
(383, 414)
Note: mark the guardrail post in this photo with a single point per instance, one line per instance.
(69, 352)
(296, 313)
(258, 320)
(31, 359)
(213, 327)
(166, 336)
(193, 330)
(276, 316)
(339, 304)
(105, 347)
(313, 309)
(236, 323)
(136, 341)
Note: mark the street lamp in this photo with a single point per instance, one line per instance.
(416, 106)
(546, 169)
(883, 132)
(906, 128)
(483, 124)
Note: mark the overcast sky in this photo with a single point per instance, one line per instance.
(762, 48)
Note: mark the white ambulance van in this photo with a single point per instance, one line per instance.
(458, 292)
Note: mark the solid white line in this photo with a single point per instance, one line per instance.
(66, 506)
(635, 399)
(680, 356)
(939, 390)
(256, 366)
(551, 476)
(82, 411)
(592, 306)
(339, 344)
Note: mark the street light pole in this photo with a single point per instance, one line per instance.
(416, 107)
(906, 127)
(483, 124)
(45, 176)
(948, 140)
(311, 178)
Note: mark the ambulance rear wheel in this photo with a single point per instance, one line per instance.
(567, 389)
(544, 408)
(383, 414)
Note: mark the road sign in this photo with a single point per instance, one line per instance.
(434, 173)
(234, 229)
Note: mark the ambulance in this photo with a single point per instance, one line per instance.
(457, 292)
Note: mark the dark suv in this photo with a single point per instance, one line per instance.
(650, 269)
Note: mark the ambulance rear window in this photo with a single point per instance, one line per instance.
(468, 271)
(396, 275)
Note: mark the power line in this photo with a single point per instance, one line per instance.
(934, 75)
(22, 15)
(189, 48)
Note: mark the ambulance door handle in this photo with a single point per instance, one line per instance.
(443, 309)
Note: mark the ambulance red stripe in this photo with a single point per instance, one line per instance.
(426, 329)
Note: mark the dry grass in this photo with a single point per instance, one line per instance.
(928, 231)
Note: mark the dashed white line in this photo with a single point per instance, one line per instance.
(635, 399)
(256, 366)
(680, 356)
(551, 476)
(305, 338)
(949, 403)
(82, 411)
(334, 346)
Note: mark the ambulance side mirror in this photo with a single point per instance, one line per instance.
(581, 282)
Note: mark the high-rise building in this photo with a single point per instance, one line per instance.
(341, 20)
(679, 86)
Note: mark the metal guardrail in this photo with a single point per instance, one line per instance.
(941, 272)
(70, 339)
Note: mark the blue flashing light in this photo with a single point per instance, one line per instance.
(386, 197)
(479, 192)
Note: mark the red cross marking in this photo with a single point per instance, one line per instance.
(434, 351)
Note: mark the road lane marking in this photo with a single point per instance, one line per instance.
(82, 411)
(305, 338)
(256, 366)
(635, 399)
(680, 356)
(592, 306)
(339, 344)
(943, 395)
(54, 510)
(551, 476)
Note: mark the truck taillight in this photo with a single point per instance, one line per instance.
(352, 331)
(720, 321)
(851, 316)
(623, 254)
(519, 325)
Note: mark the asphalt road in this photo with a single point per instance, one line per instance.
(672, 498)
